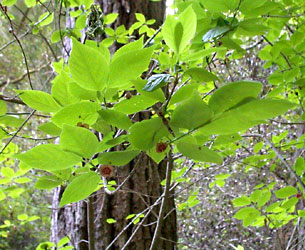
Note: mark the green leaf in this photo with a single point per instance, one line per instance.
(215, 33)
(39, 100)
(11, 121)
(188, 20)
(63, 241)
(78, 140)
(60, 89)
(177, 33)
(115, 118)
(80, 188)
(201, 75)
(117, 158)
(156, 81)
(136, 45)
(22, 180)
(45, 19)
(30, 3)
(110, 221)
(247, 6)
(241, 201)
(285, 192)
(220, 5)
(7, 172)
(84, 111)
(246, 116)
(49, 157)
(144, 134)
(184, 93)
(48, 182)
(157, 94)
(290, 203)
(198, 153)
(89, 68)
(110, 18)
(50, 128)
(191, 113)
(245, 212)
(8, 2)
(134, 104)
(3, 108)
(81, 93)
(2, 195)
(129, 66)
(251, 27)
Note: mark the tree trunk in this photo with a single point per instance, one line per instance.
(138, 193)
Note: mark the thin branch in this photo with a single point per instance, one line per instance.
(156, 239)
(19, 129)
(14, 40)
(283, 16)
(282, 159)
(19, 79)
(153, 36)
(12, 100)
(11, 30)
(282, 54)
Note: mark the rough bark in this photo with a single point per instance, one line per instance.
(139, 192)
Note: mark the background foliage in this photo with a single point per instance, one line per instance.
(252, 194)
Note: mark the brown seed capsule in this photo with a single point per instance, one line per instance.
(128, 95)
(106, 170)
(160, 147)
(83, 125)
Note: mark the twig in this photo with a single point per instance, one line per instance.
(298, 179)
(12, 100)
(153, 36)
(90, 222)
(282, 54)
(19, 129)
(156, 239)
(14, 40)
(17, 80)
(11, 30)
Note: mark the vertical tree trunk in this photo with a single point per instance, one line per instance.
(139, 192)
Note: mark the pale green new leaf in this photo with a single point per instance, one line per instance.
(191, 113)
(39, 100)
(198, 153)
(78, 140)
(215, 33)
(48, 182)
(157, 94)
(134, 104)
(60, 89)
(49, 157)
(115, 118)
(50, 128)
(177, 33)
(201, 75)
(232, 94)
(241, 201)
(128, 66)
(286, 192)
(3, 108)
(220, 5)
(245, 212)
(144, 134)
(245, 116)
(80, 188)
(89, 68)
(117, 158)
(84, 111)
